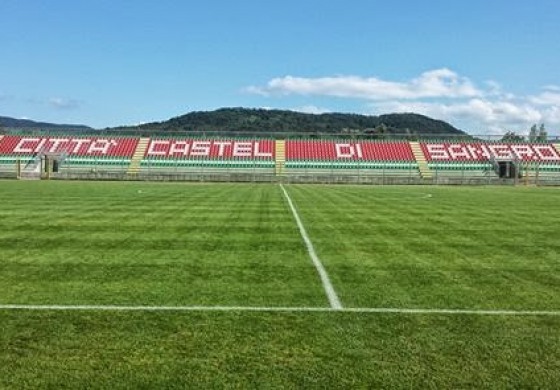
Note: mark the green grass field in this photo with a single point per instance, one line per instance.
(238, 246)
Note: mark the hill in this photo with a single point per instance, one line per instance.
(8, 122)
(231, 121)
(262, 121)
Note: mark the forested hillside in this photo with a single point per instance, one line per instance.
(232, 120)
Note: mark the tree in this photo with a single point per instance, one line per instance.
(380, 130)
(543, 135)
(533, 133)
(538, 134)
(511, 136)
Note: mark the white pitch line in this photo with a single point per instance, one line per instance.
(363, 310)
(334, 301)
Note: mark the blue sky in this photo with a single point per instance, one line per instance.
(484, 66)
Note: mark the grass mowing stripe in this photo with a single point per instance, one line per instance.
(327, 285)
(467, 247)
(171, 245)
(380, 310)
(421, 281)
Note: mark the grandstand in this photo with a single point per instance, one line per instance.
(206, 158)
(36, 157)
(290, 160)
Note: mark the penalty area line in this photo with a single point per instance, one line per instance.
(363, 310)
(334, 301)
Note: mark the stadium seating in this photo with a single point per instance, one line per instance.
(307, 158)
(485, 151)
(76, 154)
(478, 159)
(71, 146)
(189, 155)
(328, 150)
(336, 157)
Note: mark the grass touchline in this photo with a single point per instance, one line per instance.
(364, 310)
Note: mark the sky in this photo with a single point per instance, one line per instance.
(486, 67)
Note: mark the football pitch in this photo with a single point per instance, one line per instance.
(171, 285)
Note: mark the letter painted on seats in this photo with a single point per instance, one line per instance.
(242, 149)
(200, 148)
(478, 152)
(41, 146)
(344, 151)
(359, 151)
(546, 152)
(101, 145)
(56, 142)
(523, 152)
(500, 151)
(26, 145)
(158, 148)
(437, 151)
(180, 148)
(258, 152)
(222, 147)
(459, 152)
(79, 142)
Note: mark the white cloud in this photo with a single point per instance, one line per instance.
(440, 93)
(546, 98)
(63, 104)
(476, 115)
(551, 116)
(494, 90)
(432, 84)
(554, 88)
(311, 110)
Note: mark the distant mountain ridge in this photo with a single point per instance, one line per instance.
(8, 122)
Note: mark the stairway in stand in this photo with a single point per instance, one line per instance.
(280, 149)
(138, 155)
(425, 171)
(557, 147)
